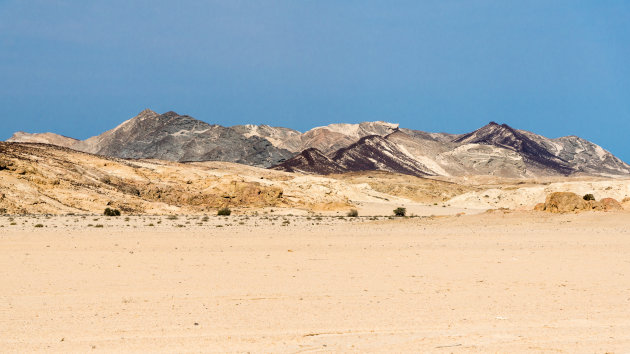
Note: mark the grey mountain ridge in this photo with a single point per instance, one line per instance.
(491, 150)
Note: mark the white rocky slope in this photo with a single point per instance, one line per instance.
(326, 139)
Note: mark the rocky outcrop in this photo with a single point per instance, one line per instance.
(566, 202)
(563, 202)
(607, 204)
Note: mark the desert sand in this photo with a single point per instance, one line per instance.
(518, 281)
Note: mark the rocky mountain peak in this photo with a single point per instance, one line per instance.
(146, 112)
(530, 146)
(171, 114)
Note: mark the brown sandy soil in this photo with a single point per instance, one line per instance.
(494, 282)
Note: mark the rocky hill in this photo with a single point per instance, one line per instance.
(175, 137)
(496, 150)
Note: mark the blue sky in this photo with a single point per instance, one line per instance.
(552, 67)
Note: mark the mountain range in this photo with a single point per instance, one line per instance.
(495, 149)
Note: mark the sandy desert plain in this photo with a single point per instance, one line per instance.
(473, 269)
(503, 281)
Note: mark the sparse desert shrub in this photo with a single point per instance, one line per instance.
(3, 210)
(171, 217)
(39, 225)
(589, 197)
(224, 211)
(353, 213)
(205, 218)
(111, 212)
(99, 225)
(400, 211)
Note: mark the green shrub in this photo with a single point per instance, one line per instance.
(400, 211)
(589, 197)
(353, 213)
(111, 212)
(224, 211)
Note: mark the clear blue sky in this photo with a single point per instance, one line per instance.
(553, 67)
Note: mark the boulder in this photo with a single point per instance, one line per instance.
(565, 202)
(610, 204)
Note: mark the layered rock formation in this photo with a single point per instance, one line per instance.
(496, 150)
